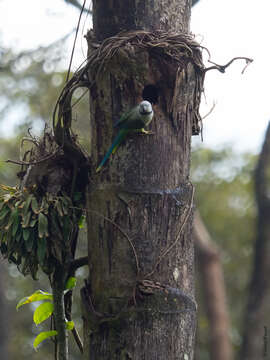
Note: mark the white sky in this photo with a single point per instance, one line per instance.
(228, 28)
(236, 28)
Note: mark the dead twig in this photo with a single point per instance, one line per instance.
(210, 111)
(222, 68)
(28, 163)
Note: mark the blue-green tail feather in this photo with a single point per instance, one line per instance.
(119, 138)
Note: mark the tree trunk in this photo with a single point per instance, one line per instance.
(212, 280)
(139, 301)
(111, 17)
(257, 325)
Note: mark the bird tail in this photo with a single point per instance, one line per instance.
(117, 141)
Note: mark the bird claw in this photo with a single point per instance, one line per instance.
(147, 132)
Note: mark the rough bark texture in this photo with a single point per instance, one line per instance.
(212, 279)
(111, 17)
(256, 326)
(140, 205)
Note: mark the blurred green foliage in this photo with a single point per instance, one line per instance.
(225, 198)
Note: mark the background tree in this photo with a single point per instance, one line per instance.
(256, 325)
(215, 298)
(4, 316)
(224, 196)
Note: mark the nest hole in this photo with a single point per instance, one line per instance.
(151, 93)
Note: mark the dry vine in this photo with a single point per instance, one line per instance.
(178, 47)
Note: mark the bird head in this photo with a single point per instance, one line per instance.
(145, 108)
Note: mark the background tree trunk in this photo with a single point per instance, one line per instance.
(211, 275)
(4, 316)
(139, 301)
(256, 326)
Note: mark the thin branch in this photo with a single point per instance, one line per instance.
(75, 39)
(77, 263)
(19, 162)
(77, 5)
(79, 99)
(68, 307)
(222, 68)
(77, 339)
(210, 111)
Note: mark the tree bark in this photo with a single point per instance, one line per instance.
(212, 280)
(139, 301)
(256, 325)
(111, 17)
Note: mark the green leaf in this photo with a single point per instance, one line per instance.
(81, 222)
(34, 205)
(41, 249)
(10, 189)
(44, 205)
(42, 225)
(26, 205)
(1, 204)
(33, 222)
(36, 296)
(18, 237)
(71, 283)
(21, 205)
(26, 219)
(43, 336)
(70, 325)
(26, 234)
(13, 219)
(6, 197)
(30, 241)
(15, 222)
(43, 312)
(33, 267)
(5, 210)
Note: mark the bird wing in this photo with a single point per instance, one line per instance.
(124, 118)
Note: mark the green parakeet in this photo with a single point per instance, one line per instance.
(132, 121)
